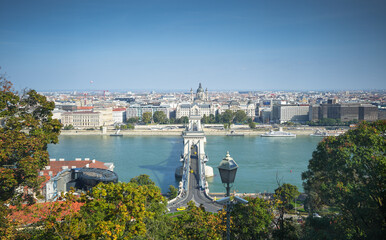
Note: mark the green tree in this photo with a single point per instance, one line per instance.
(205, 119)
(159, 117)
(284, 195)
(26, 131)
(130, 126)
(173, 191)
(183, 119)
(252, 125)
(348, 172)
(133, 120)
(120, 210)
(147, 117)
(196, 223)
(227, 116)
(142, 180)
(240, 117)
(68, 127)
(251, 221)
(287, 193)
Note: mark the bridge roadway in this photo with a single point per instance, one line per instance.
(195, 193)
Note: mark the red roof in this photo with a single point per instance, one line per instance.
(40, 211)
(85, 108)
(57, 166)
(119, 109)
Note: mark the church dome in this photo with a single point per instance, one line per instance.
(200, 89)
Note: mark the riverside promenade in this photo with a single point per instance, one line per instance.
(162, 130)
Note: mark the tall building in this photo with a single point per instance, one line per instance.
(344, 112)
(290, 113)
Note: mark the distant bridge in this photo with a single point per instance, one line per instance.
(193, 185)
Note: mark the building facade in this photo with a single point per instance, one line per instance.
(290, 113)
(86, 119)
(139, 110)
(344, 112)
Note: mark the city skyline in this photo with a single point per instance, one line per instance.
(174, 45)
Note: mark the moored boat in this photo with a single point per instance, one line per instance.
(279, 133)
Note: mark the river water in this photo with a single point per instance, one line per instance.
(261, 160)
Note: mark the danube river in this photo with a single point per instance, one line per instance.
(260, 160)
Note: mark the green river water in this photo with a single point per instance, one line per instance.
(260, 159)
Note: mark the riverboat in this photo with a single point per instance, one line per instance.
(279, 133)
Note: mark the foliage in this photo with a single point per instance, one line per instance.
(331, 122)
(27, 128)
(196, 223)
(290, 230)
(251, 221)
(240, 117)
(160, 117)
(227, 116)
(183, 119)
(147, 117)
(120, 210)
(349, 173)
(286, 193)
(133, 120)
(68, 127)
(252, 125)
(130, 126)
(173, 191)
(142, 180)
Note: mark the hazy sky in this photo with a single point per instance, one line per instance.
(162, 44)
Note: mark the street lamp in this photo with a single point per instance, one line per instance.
(228, 168)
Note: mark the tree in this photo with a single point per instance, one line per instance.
(183, 119)
(252, 125)
(251, 221)
(173, 191)
(287, 193)
(196, 223)
(133, 120)
(142, 180)
(120, 210)
(147, 117)
(159, 117)
(348, 172)
(68, 127)
(284, 195)
(27, 128)
(240, 116)
(227, 116)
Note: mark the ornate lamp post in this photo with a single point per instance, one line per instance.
(228, 168)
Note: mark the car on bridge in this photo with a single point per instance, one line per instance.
(181, 208)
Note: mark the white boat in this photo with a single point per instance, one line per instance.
(319, 133)
(279, 133)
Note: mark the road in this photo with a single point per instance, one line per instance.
(195, 194)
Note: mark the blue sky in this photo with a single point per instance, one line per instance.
(225, 45)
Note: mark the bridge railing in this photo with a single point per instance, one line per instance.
(183, 188)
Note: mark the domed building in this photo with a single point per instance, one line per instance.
(201, 95)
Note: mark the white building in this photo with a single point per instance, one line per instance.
(290, 113)
(119, 115)
(86, 119)
(139, 110)
(185, 110)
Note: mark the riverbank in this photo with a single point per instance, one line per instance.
(177, 132)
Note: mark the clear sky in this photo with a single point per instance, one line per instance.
(225, 45)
